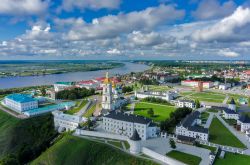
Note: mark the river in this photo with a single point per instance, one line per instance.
(15, 82)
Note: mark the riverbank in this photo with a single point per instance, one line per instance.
(17, 82)
(41, 68)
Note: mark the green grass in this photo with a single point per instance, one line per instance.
(90, 111)
(212, 149)
(207, 96)
(75, 150)
(24, 137)
(78, 108)
(233, 159)
(230, 121)
(116, 143)
(204, 116)
(126, 145)
(219, 134)
(158, 88)
(213, 110)
(185, 158)
(161, 112)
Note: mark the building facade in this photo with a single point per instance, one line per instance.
(125, 124)
(60, 86)
(190, 127)
(168, 96)
(66, 122)
(184, 103)
(20, 102)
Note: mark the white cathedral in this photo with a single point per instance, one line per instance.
(112, 97)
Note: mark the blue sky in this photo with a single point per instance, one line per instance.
(125, 29)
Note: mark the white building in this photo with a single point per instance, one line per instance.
(20, 102)
(66, 122)
(184, 103)
(162, 95)
(194, 83)
(112, 97)
(189, 128)
(224, 86)
(230, 112)
(244, 123)
(125, 124)
(60, 86)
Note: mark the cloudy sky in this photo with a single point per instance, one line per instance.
(125, 29)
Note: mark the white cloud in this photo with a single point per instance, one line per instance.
(245, 43)
(23, 7)
(228, 53)
(69, 5)
(113, 25)
(231, 28)
(145, 39)
(212, 9)
(38, 32)
(114, 51)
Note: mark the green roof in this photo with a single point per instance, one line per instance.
(65, 83)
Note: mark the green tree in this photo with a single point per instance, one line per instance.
(151, 112)
(172, 143)
(89, 124)
(43, 91)
(197, 103)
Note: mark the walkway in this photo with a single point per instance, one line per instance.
(239, 135)
(209, 120)
(85, 108)
(226, 99)
(161, 146)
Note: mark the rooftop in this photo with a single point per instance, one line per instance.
(128, 117)
(21, 98)
(65, 83)
(135, 136)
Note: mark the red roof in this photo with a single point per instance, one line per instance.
(247, 72)
(86, 82)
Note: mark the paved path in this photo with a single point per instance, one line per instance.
(84, 108)
(239, 135)
(132, 108)
(225, 100)
(161, 146)
(209, 120)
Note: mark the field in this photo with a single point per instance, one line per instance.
(90, 111)
(24, 139)
(205, 96)
(161, 112)
(185, 158)
(233, 159)
(74, 150)
(80, 105)
(219, 134)
(158, 88)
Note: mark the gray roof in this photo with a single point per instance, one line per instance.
(128, 117)
(244, 119)
(232, 101)
(188, 121)
(226, 110)
(135, 136)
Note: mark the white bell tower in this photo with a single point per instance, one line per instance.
(107, 94)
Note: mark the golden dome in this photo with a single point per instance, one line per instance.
(107, 80)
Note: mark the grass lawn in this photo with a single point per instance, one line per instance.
(204, 116)
(233, 159)
(207, 96)
(116, 143)
(78, 151)
(158, 88)
(213, 110)
(185, 158)
(161, 112)
(219, 134)
(80, 105)
(90, 111)
(236, 98)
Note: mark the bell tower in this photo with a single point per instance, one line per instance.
(107, 94)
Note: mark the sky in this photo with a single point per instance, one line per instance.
(125, 29)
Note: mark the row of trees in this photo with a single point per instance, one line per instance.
(175, 117)
(75, 93)
(147, 81)
(156, 100)
(127, 89)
